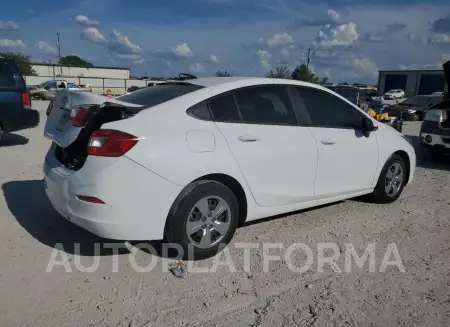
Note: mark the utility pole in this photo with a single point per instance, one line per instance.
(309, 58)
(59, 51)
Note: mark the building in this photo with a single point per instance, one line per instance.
(54, 70)
(413, 82)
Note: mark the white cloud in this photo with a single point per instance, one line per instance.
(85, 21)
(135, 58)
(129, 56)
(213, 58)
(280, 40)
(341, 35)
(12, 44)
(365, 67)
(117, 42)
(333, 16)
(440, 38)
(122, 44)
(197, 68)
(46, 48)
(264, 57)
(183, 50)
(93, 35)
(9, 26)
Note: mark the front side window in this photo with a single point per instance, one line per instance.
(266, 105)
(327, 110)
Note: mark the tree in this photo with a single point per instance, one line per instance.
(324, 80)
(73, 60)
(22, 61)
(302, 73)
(280, 72)
(224, 73)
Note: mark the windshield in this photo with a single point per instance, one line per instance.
(152, 96)
(417, 101)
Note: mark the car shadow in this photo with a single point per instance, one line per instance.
(10, 139)
(28, 203)
(423, 156)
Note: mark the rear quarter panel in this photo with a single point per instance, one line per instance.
(164, 149)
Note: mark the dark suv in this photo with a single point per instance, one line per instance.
(15, 101)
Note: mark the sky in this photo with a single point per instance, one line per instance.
(350, 40)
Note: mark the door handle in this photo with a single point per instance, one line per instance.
(328, 141)
(248, 138)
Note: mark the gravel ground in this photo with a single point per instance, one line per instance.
(418, 224)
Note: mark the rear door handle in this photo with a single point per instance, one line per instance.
(248, 138)
(328, 141)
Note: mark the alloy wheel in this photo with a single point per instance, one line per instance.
(394, 179)
(208, 222)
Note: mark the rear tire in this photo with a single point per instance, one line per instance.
(193, 212)
(391, 182)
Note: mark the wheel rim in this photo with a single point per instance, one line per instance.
(394, 179)
(208, 222)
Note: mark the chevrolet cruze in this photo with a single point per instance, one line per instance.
(188, 161)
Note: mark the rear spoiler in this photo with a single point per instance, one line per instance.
(446, 68)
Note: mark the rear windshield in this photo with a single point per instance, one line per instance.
(9, 75)
(152, 96)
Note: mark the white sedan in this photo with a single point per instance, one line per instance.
(394, 94)
(188, 161)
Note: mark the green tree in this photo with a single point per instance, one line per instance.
(22, 61)
(324, 80)
(280, 72)
(223, 73)
(73, 60)
(303, 73)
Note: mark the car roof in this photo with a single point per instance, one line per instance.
(213, 81)
(231, 82)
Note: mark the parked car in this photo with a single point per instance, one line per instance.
(47, 90)
(435, 129)
(416, 107)
(394, 94)
(190, 160)
(15, 101)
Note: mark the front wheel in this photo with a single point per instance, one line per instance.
(203, 218)
(391, 182)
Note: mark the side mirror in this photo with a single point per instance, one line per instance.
(368, 126)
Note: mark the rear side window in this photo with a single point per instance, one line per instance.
(224, 109)
(266, 105)
(152, 96)
(7, 75)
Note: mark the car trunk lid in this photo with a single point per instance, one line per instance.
(59, 127)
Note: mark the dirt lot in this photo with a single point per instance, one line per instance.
(418, 224)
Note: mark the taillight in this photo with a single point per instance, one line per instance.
(90, 199)
(49, 108)
(77, 116)
(110, 143)
(26, 100)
